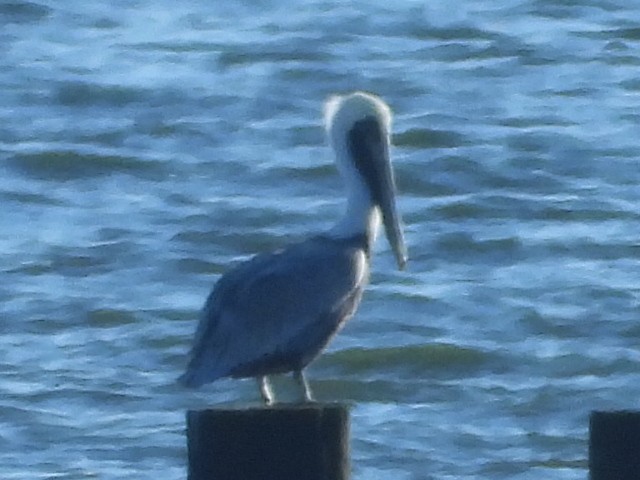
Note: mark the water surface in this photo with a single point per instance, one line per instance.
(145, 149)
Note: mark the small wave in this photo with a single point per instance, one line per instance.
(22, 12)
(30, 198)
(426, 138)
(458, 32)
(412, 358)
(108, 318)
(73, 93)
(70, 165)
(242, 55)
(463, 247)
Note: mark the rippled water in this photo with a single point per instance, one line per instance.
(144, 148)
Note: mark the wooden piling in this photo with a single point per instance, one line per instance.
(289, 442)
(614, 445)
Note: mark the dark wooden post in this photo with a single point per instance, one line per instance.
(614, 445)
(290, 442)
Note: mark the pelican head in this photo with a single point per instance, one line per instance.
(359, 128)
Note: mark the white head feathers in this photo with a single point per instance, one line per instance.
(341, 112)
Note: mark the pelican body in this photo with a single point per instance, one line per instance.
(276, 312)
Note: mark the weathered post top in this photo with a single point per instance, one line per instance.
(308, 441)
(614, 445)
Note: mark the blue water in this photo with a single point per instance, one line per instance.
(145, 148)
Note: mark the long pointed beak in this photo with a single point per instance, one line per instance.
(370, 147)
(390, 216)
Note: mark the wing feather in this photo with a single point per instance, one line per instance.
(265, 306)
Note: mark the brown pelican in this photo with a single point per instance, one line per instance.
(277, 311)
